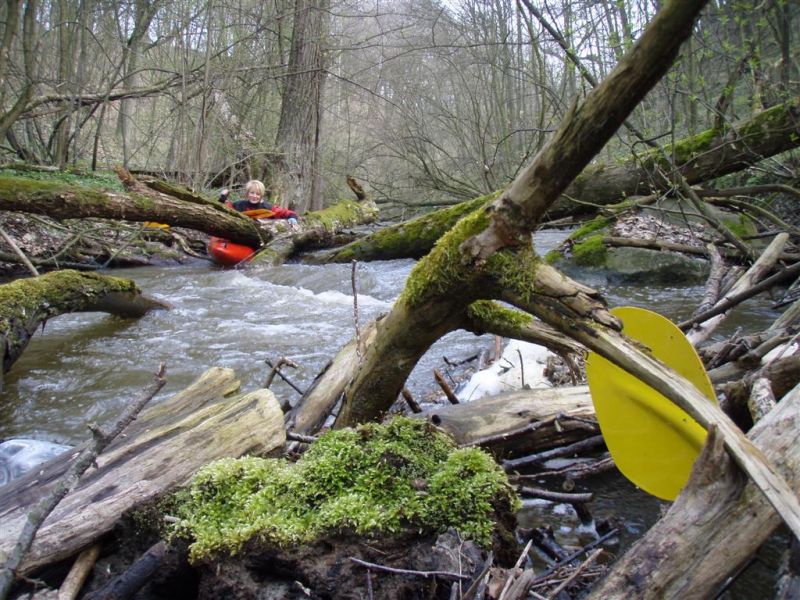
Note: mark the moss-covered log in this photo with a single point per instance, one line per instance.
(701, 157)
(162, 449)
(26, 304)
(61, 201)
(410, 239)
(318, 229)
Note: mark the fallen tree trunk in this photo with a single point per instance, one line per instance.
(318, 230)
(480, 318)
(161, 449)
(71, 202)
(702, 157)
(29, 303)
(716, 523)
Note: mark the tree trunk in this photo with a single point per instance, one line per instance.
(160, 450)
(28, 303)
(70, 202)
(297, 181)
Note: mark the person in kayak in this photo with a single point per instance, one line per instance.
(254, 193)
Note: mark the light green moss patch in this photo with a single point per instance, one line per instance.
(412, 238)
(488, 311)
(591, 252)
(342, 214)
(740, 226)
(106, 180)
(442, 269)
(375, 480)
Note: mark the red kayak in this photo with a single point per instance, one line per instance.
(227, 253)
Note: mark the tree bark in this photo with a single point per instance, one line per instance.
(297, 179)
(559, 416)
(161, 449)
(70, 202)
(29, 303)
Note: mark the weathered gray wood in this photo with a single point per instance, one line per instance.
(753, 275)
(161, 450)
(502, 423)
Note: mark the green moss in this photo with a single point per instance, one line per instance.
(412, 238)
(688, 148)
(375, 480)
(591, 252)
(740, 227)
(488, 312)
(442, 269)
(507, 266)
(342, 214)
(591, 227)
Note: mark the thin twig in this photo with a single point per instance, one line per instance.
(87, 457)
(567, 559)
(448, 391)
(359, 351)
(19, 252)
(568, 581)
(409, 398)
(517, 565)
(377, 567)
(299, 437)
(554, 496)
(282, 376)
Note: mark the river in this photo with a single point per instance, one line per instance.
(87, 367)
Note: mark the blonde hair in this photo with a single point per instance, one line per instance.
(254, 185)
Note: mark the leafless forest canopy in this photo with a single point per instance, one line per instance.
(425, 101)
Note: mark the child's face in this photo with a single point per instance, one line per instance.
(253, 196)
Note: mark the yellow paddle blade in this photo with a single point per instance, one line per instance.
(653, 442)
(155, 225)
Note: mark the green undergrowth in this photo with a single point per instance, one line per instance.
(102, 180)
(374, 480)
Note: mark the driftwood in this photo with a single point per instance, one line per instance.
(161, 449)
(521, 422)
(716, 523)
(754, 274)
(29, 303)
(134, 578)
(86, 458)
(80, 570)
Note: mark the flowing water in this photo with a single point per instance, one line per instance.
(87, 367)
